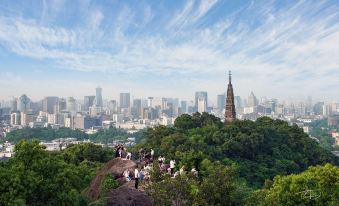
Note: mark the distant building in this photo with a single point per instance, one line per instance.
(86, 122)
(49, 103)
(221, 101)
(23, 103)
(252, 100)
(15, 118)
(201, 105)
(201, 94)
(71, 105)
(230, 114)
(333, 120)
(88, 102)
(183, 106)
(98, 97)
(125, 101)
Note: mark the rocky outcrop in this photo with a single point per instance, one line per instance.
(127, 196)
(116, 167)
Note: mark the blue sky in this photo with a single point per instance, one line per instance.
(281, 49)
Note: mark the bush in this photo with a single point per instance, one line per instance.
(108, 183)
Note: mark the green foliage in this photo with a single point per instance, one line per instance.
(316, 186)
(48, 134)
(44, 134)
(36, 177)
(260, 150)
(217, 185)
(321, 131)
(77, 153)
(108, 183)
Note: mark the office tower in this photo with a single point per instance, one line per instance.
(198, 95)
(112, 106)
(318, 108)
(24, 103)
(230, 108)
(252, 100)
(88, 102)
(136, 110)
(183, 105)
(49, 103)
(15, 118)
(26, 118)
(221, 100)
(125, 100)
(201, 104)
(150, 101)
(14, 105)
(71, 105)
(98, 97)
(237, 102)
(60, 106)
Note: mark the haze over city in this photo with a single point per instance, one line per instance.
(279, 49)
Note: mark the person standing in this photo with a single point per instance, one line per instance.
(136, 176)
(152, 154)
(172, 165)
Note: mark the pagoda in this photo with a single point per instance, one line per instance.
(229, 108)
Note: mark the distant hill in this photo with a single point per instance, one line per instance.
(259, 150)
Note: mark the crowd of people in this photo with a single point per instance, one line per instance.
(142, 174)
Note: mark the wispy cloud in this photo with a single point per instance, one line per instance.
(258, 39)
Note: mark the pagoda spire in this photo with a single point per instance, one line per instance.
(230, 114)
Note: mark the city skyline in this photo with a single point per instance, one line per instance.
(276, 49)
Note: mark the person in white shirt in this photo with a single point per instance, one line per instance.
(129, 155)
(172, 165)
(136, 176)
(126, 175)
(152, 154)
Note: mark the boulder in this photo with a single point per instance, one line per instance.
(127, 196)
(116, 167)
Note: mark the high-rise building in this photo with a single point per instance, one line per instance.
(221, 100)
(15, 118)
(71, 105)
(237, 102)
(98, 97)
(136, 110)
(14, 105)
(183, 106)
(112, 107)
(60, 106)
(230, 108)
(125, 100)
(24, 103)
(252, 100)
(88, 102)
(201, 94)
(201, 104)
(49, 103)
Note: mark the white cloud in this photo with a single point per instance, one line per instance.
(273, 43)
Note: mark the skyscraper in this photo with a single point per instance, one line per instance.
(98, 97)
(183, 105)
(88, 102)
(23, 103)
(49, 103)
(201, 105)
(221, 100)
(230, 108)
(201, 94)
(125, 100)
(252, 100)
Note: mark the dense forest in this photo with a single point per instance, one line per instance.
(265, 162)
(321, 131)
(36, 177)
(258, 150)
(48, 134)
